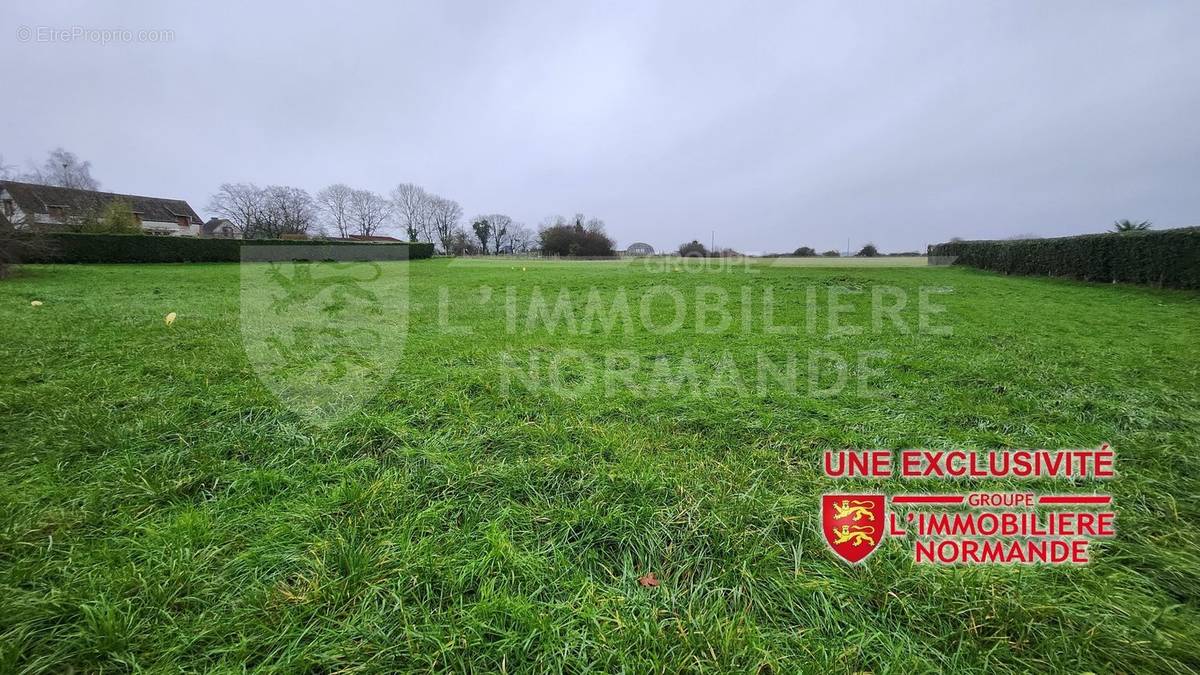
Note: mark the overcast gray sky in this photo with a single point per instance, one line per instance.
(774, 124)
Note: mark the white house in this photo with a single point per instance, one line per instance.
(26, 204)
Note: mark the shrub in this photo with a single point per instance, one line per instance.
(868, 251)
(576, 239)
(805, 252)
(831, 253)
(72, 247)
(693, 249)
(1161, 257)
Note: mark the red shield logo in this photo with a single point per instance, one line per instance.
(853, 524)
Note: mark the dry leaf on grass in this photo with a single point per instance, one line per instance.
(648, 580)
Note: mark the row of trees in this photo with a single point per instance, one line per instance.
(277, 211)
(425, 216)
(696, 249)
(349, 211)
(268, 212)
(339, 210)
(867, 251)
(428, 217)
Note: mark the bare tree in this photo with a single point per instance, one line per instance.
(493, 227)
(500, 231)
(7, 171)
(283, 211)
(290, 209)
(444, 217)
(593, 225)
(412, 209)
(368, 211)
(522, 238)
(63, 169)
(333, 203)
(241, 204)
(460, 243)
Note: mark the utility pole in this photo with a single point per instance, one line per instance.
(712, 241)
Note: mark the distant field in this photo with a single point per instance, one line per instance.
(717, 263)
(163, 510)
(820, 261)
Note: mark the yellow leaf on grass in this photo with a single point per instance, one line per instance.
(169, 319)
(36, 303)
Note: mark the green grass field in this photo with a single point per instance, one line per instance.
(162, 509)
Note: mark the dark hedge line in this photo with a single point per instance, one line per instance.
(1161, 257)
(71, 247)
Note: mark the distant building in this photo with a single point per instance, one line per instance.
(28, 204)
(220, 228)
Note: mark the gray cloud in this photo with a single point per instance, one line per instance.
(772, 124)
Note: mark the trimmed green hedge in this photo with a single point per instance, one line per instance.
(1160, 257)
(71, 247)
